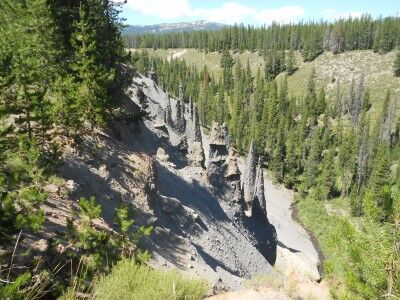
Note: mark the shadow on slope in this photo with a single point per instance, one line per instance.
(264, 234)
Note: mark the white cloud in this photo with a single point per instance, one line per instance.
(333, 14)
(283, 14)
(163, 9)
(230, 12)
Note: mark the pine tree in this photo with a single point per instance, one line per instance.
(92, 77)
(326, 178)
(346, 162)
(313, 158)
(290, 62)
(227, 64)
(311, 99)
(379, 183)
(31, 65)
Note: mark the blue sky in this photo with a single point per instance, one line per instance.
(145, 12)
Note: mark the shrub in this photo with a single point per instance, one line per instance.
(129, 280)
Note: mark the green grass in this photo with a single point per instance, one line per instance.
(376, 68)
(131, 281)
(348, 247)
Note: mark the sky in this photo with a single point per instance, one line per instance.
(256, 12)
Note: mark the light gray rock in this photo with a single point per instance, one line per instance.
(217, 140)
(196, 126)
(41, 245)
(250, 178)
(259, 204)
(51, 188)
(162, 155)
(232, 170)
(160, 126)
(71, 186)
(217, 135)
(168, 113)
(196, 154)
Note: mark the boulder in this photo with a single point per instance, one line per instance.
(71, 186)
(160, 126)
(41, 245)
(162, 155)
(52, 188)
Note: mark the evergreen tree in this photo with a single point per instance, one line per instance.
(227, 64)
(326, 178)
(290, 62)
(346, 162)
(313, 158)
(92, 77)
(379, 183)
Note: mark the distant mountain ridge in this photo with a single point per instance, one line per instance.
(172, 27)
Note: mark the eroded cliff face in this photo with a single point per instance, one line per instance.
(190, 186)
(198, 200)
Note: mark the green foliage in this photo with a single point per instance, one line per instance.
(13, 291)
(311, 38)
(129, 280)
(92, 77)
(21, 198)
(89, 209)
(60, 68)
(348, 265)
(396, 65)
(290, 62)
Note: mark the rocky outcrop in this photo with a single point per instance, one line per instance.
(249, 179)
(168, 113)
(196, 125)
(196, 151)
(259, 207)
(162, 155)
(180, 122)
(196, 154)
(232, 172)
(218, 146)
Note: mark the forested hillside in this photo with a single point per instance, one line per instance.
(337, 150)
(61, 65)
(333, 71)
(312, 38)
